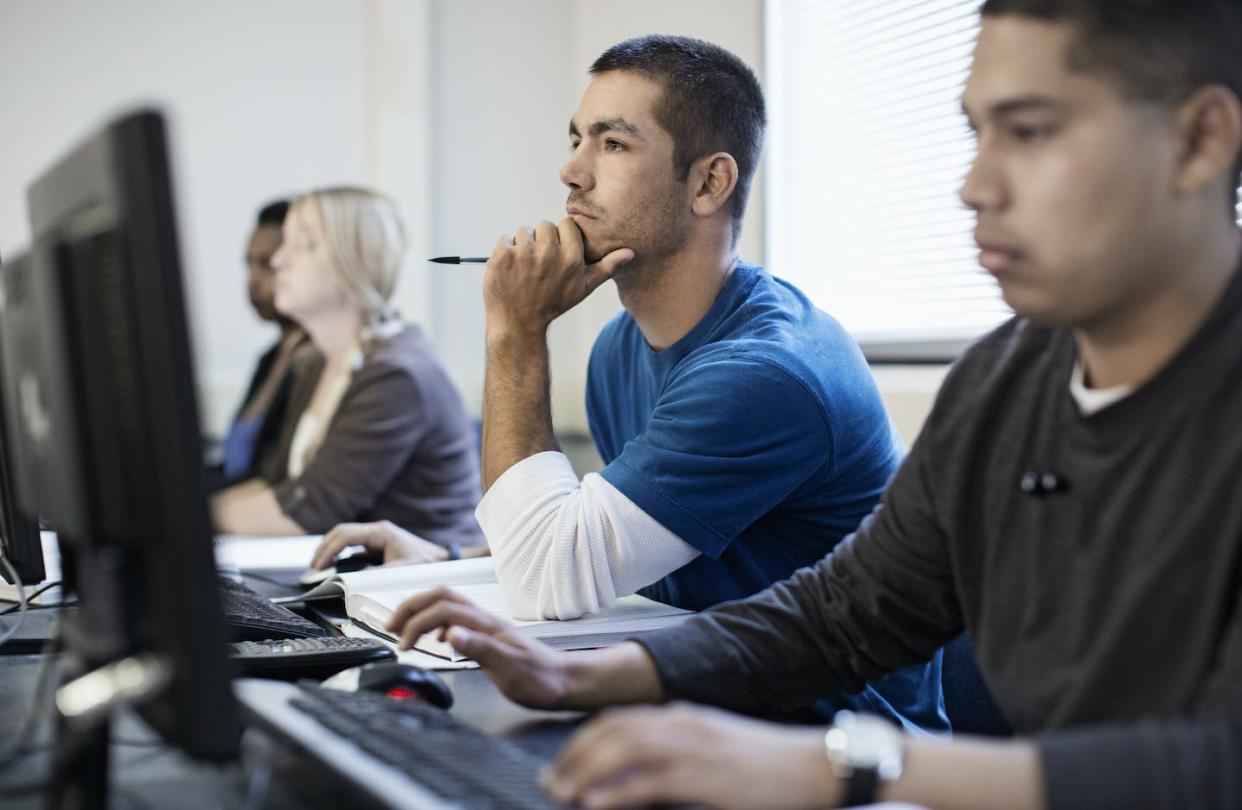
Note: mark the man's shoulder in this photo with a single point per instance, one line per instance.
(779, 328)
(1013, 345)
(1011, 362)
(778, 319)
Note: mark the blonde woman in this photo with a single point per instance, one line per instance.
(376, 430)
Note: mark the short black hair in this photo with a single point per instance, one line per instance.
(711, 102)
(273, 213)
(1154, 50)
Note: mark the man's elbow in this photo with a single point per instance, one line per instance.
(539, 598)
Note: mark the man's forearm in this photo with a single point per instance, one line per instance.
(517, 414)
(612, 676)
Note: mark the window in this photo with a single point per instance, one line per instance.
(867, 149)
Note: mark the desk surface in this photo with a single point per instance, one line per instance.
(147, 774)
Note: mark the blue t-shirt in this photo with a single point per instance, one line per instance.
(760, 439)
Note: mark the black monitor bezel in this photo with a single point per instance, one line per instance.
(134, 526)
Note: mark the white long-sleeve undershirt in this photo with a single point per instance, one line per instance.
(564, 547)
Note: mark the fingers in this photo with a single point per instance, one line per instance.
(570, 236)
(658, 785)
(445, 615)
(601, 752)
(523, 237)
(487, 650)
(420, 602)
(416, 616)
(372, 536)
(333, 543)
(605, 268)
(547, 234)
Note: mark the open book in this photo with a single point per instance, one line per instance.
(373, 595)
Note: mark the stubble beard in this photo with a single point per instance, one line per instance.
(657, 229)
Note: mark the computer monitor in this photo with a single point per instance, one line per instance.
(20, 543)
(103, 424)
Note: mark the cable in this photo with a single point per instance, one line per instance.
(44, 588)
(45, 606)
(22, 601)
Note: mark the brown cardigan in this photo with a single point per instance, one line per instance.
(399, 448)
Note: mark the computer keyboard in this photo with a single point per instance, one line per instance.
(405, 753)
(305, 657)
(250, 616)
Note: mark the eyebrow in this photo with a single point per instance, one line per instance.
(1020, 104)
(608, 125)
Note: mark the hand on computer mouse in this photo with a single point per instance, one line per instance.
(395, 680)
(342, 565)
(383, 539)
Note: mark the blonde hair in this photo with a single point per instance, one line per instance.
(366, 242)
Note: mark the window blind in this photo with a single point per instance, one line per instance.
(866, 152)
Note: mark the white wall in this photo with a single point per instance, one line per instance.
(264, 99)
(457, 108)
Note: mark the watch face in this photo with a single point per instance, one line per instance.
(860, 742)
(870, 744)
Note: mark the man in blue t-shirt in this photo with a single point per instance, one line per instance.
(743, 434)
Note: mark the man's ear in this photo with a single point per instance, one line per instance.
(1209, 126)
(713, 180)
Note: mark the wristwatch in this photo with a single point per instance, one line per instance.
(863, 750)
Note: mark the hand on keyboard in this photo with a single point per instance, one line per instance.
(693, 755)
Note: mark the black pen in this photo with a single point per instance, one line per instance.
(459, 260)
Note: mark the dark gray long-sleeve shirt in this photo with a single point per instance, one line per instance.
(1106, 615)
(399, 447)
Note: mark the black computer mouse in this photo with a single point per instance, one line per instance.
(401, 681)
(355, 562)
(341, 565)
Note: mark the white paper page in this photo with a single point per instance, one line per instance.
(416, 657)
(632, 614)
(409, 579)
(485, 595)
(266, 553)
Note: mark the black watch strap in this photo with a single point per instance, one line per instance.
(862, 787)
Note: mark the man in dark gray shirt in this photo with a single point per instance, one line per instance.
(1072, 501)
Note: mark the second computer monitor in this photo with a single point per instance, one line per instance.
(20, 543)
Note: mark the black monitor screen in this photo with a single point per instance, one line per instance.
(98, 385)
(19, 531)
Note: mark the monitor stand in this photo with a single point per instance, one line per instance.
(94, 684)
